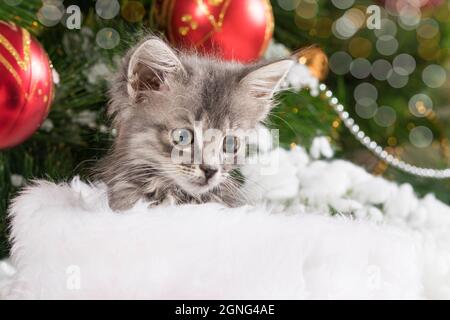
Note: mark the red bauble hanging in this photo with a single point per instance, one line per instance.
(26, 85)
(237, 30)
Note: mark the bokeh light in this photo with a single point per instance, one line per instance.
(421, 136)
(360, 47)
(388, 28)
(360, 68)
(385, 116)
(50, 14)
(409, 17)
(404, 64)
(420, 105)
(340, 62)
(347, 25)
(387, 45)
(107, 9)
(366, 95)
(365, 90)
(343, 29)
(381, 69)
(107, 38)
(397, 80)
(307, 9)
(428, 29)
(434, 76)
(288, 5)
(133, 11)
(362, 53)
(367, 110)
(343, 4)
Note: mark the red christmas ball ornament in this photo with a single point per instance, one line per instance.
(26, 86)
(237, 30)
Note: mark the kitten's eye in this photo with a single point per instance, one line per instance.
(181, 137)
(230, 144)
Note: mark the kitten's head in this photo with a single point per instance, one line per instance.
(176, 114)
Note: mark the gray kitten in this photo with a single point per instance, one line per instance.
(163, 101)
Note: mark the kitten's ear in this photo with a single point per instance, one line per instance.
(149, 65)
(265, 81)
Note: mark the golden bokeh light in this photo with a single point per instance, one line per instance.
(360, 47)
(133, 11)
(307, 9)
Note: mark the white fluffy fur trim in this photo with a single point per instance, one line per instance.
(68, 244)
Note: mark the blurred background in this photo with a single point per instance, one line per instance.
(388, 64)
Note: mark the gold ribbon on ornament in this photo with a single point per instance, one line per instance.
(23, 63)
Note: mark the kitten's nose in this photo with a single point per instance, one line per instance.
(208, 170)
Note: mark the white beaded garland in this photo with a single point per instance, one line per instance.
(373, 146)
(349, 122)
